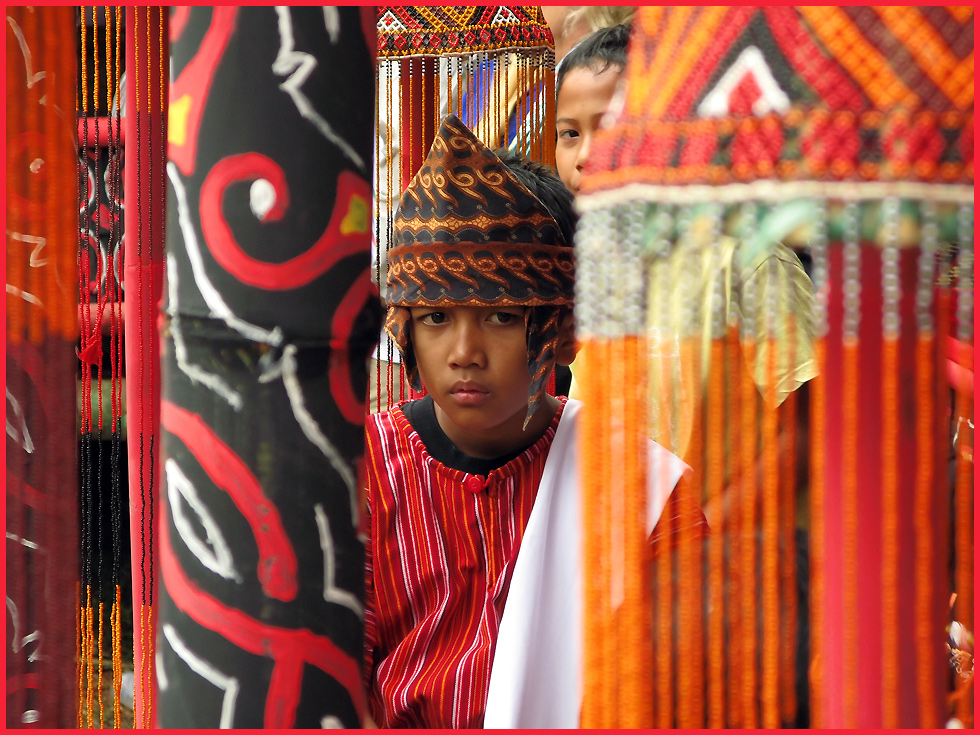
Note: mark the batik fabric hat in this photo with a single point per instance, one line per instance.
(468, 233)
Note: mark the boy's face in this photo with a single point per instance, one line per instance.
(473, 360)
(582, 100)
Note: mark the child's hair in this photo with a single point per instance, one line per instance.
(546, 186)
(598, 51)
(595, 17)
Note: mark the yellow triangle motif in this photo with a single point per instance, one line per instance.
(177, 123)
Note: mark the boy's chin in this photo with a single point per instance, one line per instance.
(478, 418)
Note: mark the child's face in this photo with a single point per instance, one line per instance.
(473, 360)
(582, 100)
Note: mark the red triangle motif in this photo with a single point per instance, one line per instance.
(744, 95)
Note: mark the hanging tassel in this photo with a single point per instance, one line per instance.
(690, 650)
(890, 401)
(747, 504)
(925, 480)
(770, 545)
(787, 577)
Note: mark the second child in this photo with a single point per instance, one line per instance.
(584, 86)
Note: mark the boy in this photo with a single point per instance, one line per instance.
(584, 86)
(480, 293)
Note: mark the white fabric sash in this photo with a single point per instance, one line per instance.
(536, 675)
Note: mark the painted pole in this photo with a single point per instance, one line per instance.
(270, 316)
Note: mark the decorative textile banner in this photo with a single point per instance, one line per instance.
(448, 29)
(784, 193)
(271, 315)
(42, 499)
(811, 96)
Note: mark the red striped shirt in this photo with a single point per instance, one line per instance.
(439, 561)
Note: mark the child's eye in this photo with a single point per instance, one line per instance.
(568, 134)
(503, 317)
(433, 318)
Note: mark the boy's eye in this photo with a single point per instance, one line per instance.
(433, 318)
(503, 317)
(568, 134)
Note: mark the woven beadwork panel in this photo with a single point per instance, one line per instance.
(722, 95)
(776, 222)
(448, 29)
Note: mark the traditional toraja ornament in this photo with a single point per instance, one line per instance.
(270, 317)
(815, 96)
(492, 66)
(468, 232)
(749, 143)
(448, 29)
(42, 271)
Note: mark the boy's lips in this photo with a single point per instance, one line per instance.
(468, 393)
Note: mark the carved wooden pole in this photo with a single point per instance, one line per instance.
(270, 317)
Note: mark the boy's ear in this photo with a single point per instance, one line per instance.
(567, 347)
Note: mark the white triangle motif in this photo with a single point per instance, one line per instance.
(390, 22)
(504, 15)
(750, 61)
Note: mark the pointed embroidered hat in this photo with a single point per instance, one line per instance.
(469, 233)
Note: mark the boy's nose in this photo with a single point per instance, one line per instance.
(583, 152)
(468, 349)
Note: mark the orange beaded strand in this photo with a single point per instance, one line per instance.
(664, 564)
(787, 579)
(770, 547)
(89, 657)
(635, 673)
(714, 478)
(747, 631)
(595, 704)
(890, 401)
(735, 369)
(690, 661)
(818, 437)
(101, 629)
(889, 530)
(79, 658)
(922, 523)
(850, 429)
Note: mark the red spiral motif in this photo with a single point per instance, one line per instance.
(338, 241)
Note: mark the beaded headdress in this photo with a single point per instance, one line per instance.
(469, 233)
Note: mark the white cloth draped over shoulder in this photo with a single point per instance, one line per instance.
(536, 675)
